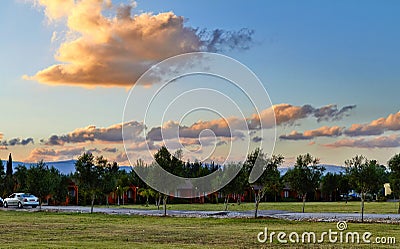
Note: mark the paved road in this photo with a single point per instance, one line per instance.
(278, 214)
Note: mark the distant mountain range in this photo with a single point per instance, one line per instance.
(68, 166)
(335, 169)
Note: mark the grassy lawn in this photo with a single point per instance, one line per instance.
(339, 207)
(63, 230)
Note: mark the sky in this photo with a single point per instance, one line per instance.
(330, 69)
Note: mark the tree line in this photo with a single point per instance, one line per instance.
(97, 177)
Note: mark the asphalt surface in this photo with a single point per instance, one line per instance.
(277, 214)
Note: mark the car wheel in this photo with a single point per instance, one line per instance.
(20, 205)
(5, 205)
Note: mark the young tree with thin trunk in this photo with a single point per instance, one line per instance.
(235, 185)
(89, 175)
(366, 176)
(270, 177)
(305, 176)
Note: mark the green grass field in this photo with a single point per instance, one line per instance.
(339, 207)
(67, 230)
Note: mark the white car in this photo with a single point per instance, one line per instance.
(21, 200)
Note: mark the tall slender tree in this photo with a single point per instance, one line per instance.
(9, 171)
(9, 181)
(2, 178)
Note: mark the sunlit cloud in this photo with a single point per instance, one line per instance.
(391, 141)
(111, 134)
(324, 131)
(375, 127)
(218, 128)
(287, 114)
(116, 48)
(51, 154)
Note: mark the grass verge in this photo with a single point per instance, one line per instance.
(73, 230)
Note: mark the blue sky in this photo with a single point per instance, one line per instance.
(310, 52)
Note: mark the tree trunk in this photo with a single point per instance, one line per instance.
(107, 204)
(40, 203)
(304, 201)
(165, 197)
(257, 199)
(123, 199)
(226, 200)
(91, 207)
(158, 202)
(362, 207)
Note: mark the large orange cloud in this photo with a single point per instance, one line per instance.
(115, 50)
(375, 127)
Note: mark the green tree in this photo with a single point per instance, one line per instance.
(88, 176)
(9, 181)
(305, 176)
(59, 191)
(344, 185)
(170, 163)
(147, 193)
(40, 181)
(394, 178)
(21, 176)
(330, 185)
(108, 180)
(270, 177)
(234, 185)
(2, 178)
(366, 176)
(9, 171)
